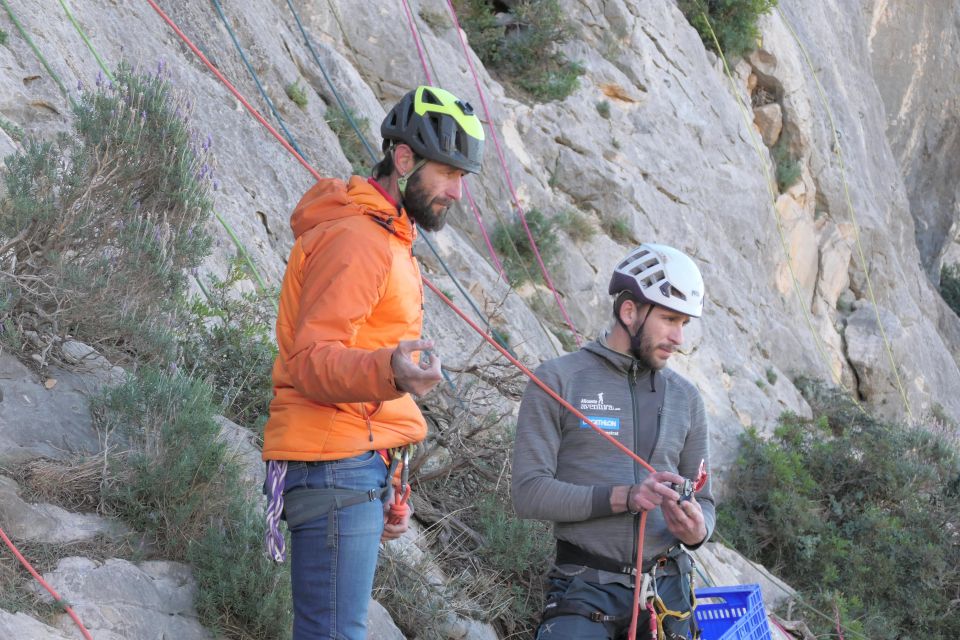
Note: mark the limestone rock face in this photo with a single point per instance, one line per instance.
(39, 422)
(45, 522)
(117, 599)
(913, 52)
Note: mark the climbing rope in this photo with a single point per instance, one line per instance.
(761, 155)
(256, 78)
(838, 151)
(520, 261)
(487, 337)
(43, 583)
(506, 171)
(37, 53)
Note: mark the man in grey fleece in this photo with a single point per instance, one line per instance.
(565, 472)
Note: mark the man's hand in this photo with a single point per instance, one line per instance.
(393, 531)
(653, 491)
(409, 376)
(685, 520)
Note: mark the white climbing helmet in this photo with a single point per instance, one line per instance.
(661, 275)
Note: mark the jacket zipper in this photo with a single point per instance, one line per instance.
(632, 379)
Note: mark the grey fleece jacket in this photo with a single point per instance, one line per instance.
(563, 471)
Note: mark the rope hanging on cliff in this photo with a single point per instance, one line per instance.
(761, 155)
(838, 151)
(502, 159)
(512, 242)
(373, 157)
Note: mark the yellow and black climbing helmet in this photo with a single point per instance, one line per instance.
(438, 126)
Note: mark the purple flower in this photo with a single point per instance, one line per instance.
(208, 143)
(216, 185)
(99, 78)
(160, 66)
(79, 86)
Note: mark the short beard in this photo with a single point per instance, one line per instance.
(644, 354)
(420, 209)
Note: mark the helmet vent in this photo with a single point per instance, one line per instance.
(429, 98)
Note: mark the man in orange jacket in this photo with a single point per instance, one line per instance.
(348, 329)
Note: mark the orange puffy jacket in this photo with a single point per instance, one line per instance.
(351, 292)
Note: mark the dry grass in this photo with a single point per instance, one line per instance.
(73, 485)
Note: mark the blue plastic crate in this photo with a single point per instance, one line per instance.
(739, 616)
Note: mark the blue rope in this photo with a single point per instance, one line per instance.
(326, 77)
(256, 79)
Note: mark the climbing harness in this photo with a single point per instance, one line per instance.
(661, 618)
(303, 505)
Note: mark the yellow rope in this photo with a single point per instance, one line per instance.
(780, 231)
(853, 217)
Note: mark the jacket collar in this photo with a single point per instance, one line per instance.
(622, 362)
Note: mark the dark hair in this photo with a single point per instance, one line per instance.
(386, 167)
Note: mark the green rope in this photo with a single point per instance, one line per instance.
(86, 40)
(233, 236)
(780, 230)
(37, 53)
(853, 217)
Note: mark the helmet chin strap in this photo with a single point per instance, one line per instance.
(405, 177)
(636, 339)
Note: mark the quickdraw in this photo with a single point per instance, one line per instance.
(659, 609)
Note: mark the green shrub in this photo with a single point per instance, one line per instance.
(854, 513)
(228, 342)
(177, 484)
(101, 225)
(297, 94)
(513, 244)
(576, 225)
(788, 168)
(733, 21)
(603, 108)
(3, 37)
(950, 286)
(350, 142)
(617, 228)
(11, 129)
(524, 53)
(771, 375)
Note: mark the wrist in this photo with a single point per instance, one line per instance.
(630, 509)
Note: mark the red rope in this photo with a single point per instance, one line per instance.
(506, 172)
(447, 301)
(233, 90)
(483, 230)
(45, 585)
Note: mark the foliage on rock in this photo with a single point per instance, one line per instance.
(101, 226)
(522, 47)
(178, 484)
(950, 286)
(734, 22)
(227, 341)
(857, 514)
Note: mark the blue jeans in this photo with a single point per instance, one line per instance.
(333, 557)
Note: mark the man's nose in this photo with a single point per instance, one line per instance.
(455, 189)
(676, 335)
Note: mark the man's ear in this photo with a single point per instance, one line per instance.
(403, 159)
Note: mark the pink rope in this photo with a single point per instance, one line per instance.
(466, 189)
(506, 172)
(413, 30)
(483, 230)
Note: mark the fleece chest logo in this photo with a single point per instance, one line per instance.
(596, 404)
(608, 424)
